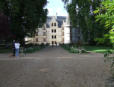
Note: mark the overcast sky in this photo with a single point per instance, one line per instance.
(56, 6)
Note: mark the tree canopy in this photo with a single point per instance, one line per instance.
(105, 15)
(24, 15)
(81, 13)
(4, 28)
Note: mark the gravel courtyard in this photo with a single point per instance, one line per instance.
(53, 67)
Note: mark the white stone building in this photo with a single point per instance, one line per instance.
(54, 32)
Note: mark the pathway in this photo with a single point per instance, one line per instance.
(53, 67)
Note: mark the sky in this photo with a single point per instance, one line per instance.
(56, 7)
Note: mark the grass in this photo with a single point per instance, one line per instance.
(96, 49)
(28, 49)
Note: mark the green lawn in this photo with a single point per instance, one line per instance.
(97, 49)
(30, 48)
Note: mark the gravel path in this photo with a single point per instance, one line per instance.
(53, 67)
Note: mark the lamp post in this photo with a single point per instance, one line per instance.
(23, 28)
(77, 10)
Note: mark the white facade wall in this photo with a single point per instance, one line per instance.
(62, 34)
(66, 34)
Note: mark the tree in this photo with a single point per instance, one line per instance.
(5, 32)
(105, 15)
(85, 17)
(24, 16)
(111, 36)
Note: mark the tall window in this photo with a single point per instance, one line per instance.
(52, 30)
(54, 24)
(55, 42)
(36, 39)
(55, 36)
(52, 42)
(52, 36)
(44, 39)
(55, 31)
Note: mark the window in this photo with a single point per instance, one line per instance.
(54, 24)
(36, 39)
(52, 37)
(52, 30)
(44, 39)
(55, 31)
(55, 36)
(52, 42)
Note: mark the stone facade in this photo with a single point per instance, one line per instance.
(54, 32)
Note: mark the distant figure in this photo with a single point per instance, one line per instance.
(17, 47)
(13, 47)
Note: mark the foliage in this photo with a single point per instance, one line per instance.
(5, 32)
(33, 48)
(24, 16)
(85, 18)
(87, 49)
(97, 49)
(105, 15)
(111, 34)
(74, 49)
(29, 48)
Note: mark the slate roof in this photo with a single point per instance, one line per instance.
(59, 19)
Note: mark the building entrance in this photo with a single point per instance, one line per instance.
(54, 43)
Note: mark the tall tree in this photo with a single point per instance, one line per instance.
(81, 13)
(5, 32)
(24, 16)
(105, 15)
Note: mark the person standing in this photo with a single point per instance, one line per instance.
(13, 48)
(17, 47)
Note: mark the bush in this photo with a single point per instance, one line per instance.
(30, 48)
(74, 49)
